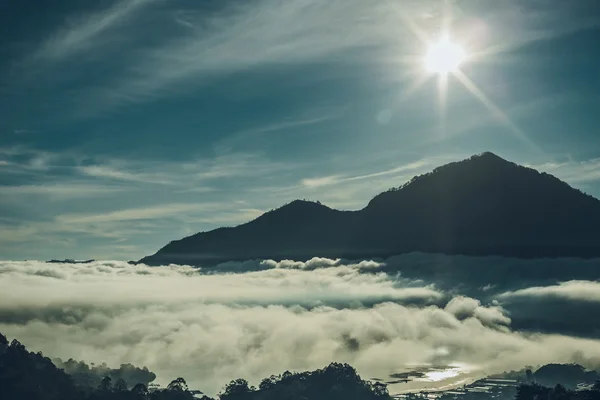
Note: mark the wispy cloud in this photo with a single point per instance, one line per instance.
(185, 172)
(236, 36)
(239, 36)
(248, 135)
(336, 179)
(85, 198)
(227, 217)
(403, 168)
(573, 171)
(159, 211)
(24, 131)
(76, 166)
(82, 34)
(62, 190)
(235, 165)
(27, 159)
(322, 181)
(109, 172)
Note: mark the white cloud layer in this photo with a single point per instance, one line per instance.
(571, 290)
(210, 328)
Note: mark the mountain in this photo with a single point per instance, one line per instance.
(484, 205)
(70, 261)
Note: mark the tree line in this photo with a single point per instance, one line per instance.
(26, 375)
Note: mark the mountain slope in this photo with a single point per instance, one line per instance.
(484, 205)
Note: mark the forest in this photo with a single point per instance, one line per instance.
(27, 375)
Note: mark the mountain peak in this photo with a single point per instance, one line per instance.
(484, 166)
(296, 210)
(487, 157)
(484, 205)
(297, 205)
(303, 202)
(487, 162)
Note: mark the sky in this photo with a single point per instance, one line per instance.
(127, 124)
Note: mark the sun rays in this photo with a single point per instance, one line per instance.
(443, 59)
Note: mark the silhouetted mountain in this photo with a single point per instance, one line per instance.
(558, 392)
(484, 205)
(568, 375)
(70, 261)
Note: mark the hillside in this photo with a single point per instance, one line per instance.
(29, 376)
(484, 205)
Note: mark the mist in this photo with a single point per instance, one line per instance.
(255, 318)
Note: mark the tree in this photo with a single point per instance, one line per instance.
(531, 392)
(178, 385)
(105, 384)
(235, 389)
(140, 391)
(120, 385)
(380, 390)
(529, 375)
(558, 393)
(268, 383)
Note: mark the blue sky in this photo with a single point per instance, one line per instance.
(127, 124)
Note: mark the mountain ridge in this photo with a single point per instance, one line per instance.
(483, 205)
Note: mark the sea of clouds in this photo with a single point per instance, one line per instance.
(254, 319)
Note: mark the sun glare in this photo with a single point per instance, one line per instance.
(436, 376)
(444, 57)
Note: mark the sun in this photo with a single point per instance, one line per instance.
(444, 57)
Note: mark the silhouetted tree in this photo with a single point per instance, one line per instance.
(235, 389)
(120, 385)
(30, 376)
(531, 392)
(178, 384)
(268, 383)
(558, 393)
(176, 390)
(91, 375)
(105, 384)
(380, 390)
(529, 375)
(140, 391)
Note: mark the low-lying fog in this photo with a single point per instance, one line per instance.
(462, 317)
